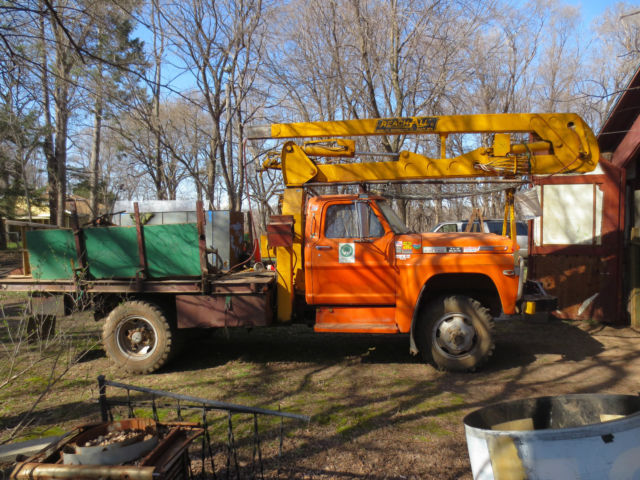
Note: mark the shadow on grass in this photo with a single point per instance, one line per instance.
(288, 344)
(11, 310)
(91, 355)
(517, 344)
(54, 415)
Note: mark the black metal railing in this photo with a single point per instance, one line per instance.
(188, 402)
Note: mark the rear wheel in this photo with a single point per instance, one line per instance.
(138, 337)
(455, 333)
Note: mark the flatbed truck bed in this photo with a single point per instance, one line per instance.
(243, 281)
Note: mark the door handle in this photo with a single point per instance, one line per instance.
(323, 247)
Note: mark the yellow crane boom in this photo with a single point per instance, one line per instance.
(560, 143)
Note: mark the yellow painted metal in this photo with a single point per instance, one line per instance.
(512, 215)
(509, 221)
(530, 308)
(505, 461)
(336, 147)
(289, 259)
(501, 144)
(300, 169)
(563, 143)
(532, 147)
(266, 252)
(541, 123)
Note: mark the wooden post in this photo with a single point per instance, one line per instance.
(77, 235)
(140, 237)
(26, 265)
(634, 287)
(202, 243)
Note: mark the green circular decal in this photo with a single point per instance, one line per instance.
(346, 250)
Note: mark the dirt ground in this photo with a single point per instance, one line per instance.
(376, 412)
(9, 260)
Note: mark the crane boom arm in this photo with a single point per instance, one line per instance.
(563, 143)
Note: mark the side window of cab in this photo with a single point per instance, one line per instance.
(352, 220)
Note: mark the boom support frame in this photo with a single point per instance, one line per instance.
(561, 143)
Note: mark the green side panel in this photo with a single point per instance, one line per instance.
(51, 253)
(112, 252)
(172, 250)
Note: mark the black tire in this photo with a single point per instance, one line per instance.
(138, 337)
(455, 333)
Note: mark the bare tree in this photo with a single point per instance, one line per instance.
(559, 67)
(113, 28)
(221, 45)
(186, 129)
(357, 59)
(614, 57)
(139, 132)
(56, 28)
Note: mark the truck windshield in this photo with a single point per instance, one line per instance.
(397, 225)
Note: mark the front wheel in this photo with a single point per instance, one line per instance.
(455, 333)
(138, 337)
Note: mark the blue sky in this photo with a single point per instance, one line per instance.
(592, 8)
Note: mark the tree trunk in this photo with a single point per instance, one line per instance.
(158, 49)
(211, 172)
(158, 141)
(25, 186)
(61, 164)
(438, 203)
(241, 164)
(47, 143)
(94, 165)
(229, 144)
(62, 121)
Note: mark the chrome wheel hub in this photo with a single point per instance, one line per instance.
(454, 334)
(137, 338)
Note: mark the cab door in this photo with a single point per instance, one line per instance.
(351, 260)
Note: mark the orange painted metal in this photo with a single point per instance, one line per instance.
(417, 270)
(356, 319)
(387, 274)
(370, 280)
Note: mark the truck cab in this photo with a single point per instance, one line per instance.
(365, 272)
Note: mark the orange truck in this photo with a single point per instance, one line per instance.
(347, 263)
